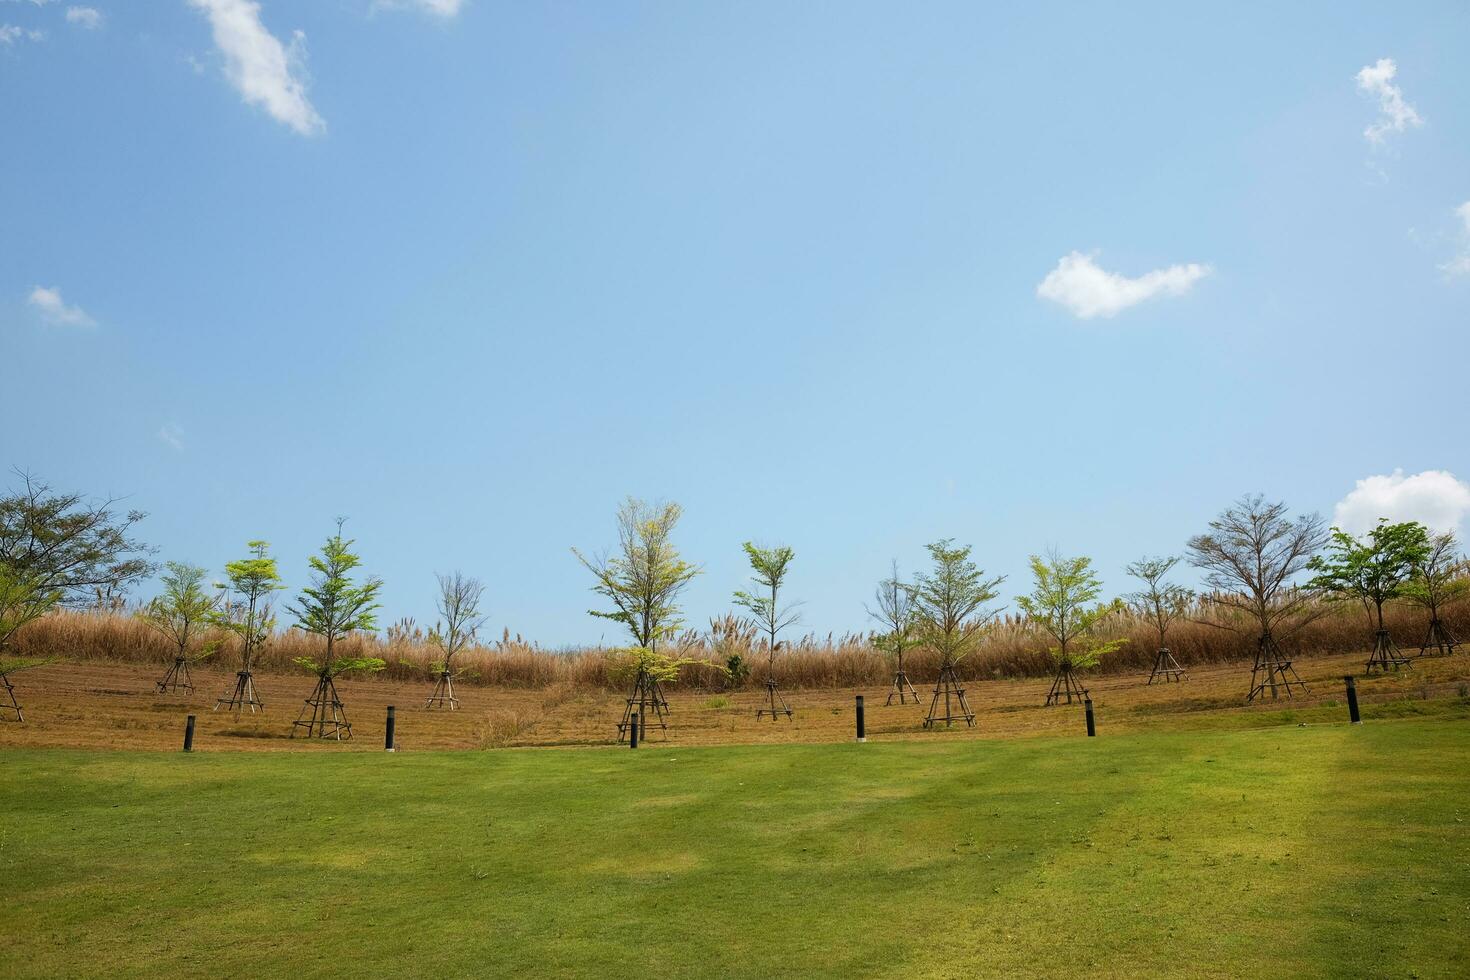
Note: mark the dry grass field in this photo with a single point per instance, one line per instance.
(113, 705)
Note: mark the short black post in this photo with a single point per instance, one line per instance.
(862, 734)
(633, 731)
(388, 738)
(189, 734)
(1352, 693)
(1091, 725)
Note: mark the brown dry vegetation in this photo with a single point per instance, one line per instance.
(1013, 649)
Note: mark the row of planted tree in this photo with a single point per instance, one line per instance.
(1266, 573)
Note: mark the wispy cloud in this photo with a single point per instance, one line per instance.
(1079, 284)
(1434, 498)
(55, 311)
(9, 34)
(88, 17)
(264, 71)
(1460, 264)
(1394, 113)
(173, 436)
(439, 8)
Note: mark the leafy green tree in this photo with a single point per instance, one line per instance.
(950, 603)
(643, 581)
(67, 543)
(252, 619)
(1161, 603)
(180, 615)
(333, 606)
(895, 613)
(1372, 570)
(23, 600)
(1440, 578)
(770, 566)
(1064, 604)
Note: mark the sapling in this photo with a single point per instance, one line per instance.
(770, 566)
(1161, 603)
(181, 615)
(951, 616)
(1373, 570)
(1064, 604)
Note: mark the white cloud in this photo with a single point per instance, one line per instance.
(54, 309)
(440, 8)
(173, 436)
(1395, 115)
(88, 17)
(1079, 284)
(1460, 264)
(264, 71)
(1434, 498)
(9, 34)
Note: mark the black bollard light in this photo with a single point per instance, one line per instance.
(388, 737)
(189, 734)
(1352, 693)
(633, 731)
(1091, 724)
(862, 734)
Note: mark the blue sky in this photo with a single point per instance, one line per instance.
(851, 277)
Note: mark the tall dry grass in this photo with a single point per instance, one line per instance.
(1012, 648)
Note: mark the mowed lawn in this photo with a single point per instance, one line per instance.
(1326, 850)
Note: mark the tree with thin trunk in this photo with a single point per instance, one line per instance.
(332, 607)
(23, 600)
(459, 623)
(64, 542)
(1440, 578)
(1064, 604)
(1251, 557)
(181, 615)
(951, 617)
(252, 620)
(893, 609)
(643, 580)
(1372, 570)
(1161, 603)
(770, 566)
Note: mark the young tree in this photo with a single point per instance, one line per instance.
(64, 542)
(459, 622)
(895, 613)
(1064, 603)
(252, 620)
(950, 618)
(23, 600)
(770, 566)
(331, 607)
(1439, 579)
(1161, 603)
(1373, 570)
(643, 581)
(180, 615)
(1251, 557)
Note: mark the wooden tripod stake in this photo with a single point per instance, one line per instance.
(1439, 639)
(14, 705)
(443, 694)
(773, 695)
(243, 696)
(1065, 686)
(177, 677)
(646, 698)
(323, 715)
(902, 688)
(1166, 668)
(956, 708)
(1386, 654)
(1272, 671)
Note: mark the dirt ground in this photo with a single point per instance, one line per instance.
(116, 706)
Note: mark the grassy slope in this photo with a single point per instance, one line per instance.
(1325, 850)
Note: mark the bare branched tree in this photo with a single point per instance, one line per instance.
(459, 623)
(896, 614)
(1162, 604)
(1440, 578)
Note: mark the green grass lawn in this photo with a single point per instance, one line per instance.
(1326, 850)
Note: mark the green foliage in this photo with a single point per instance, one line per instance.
(341, 665)
(254, 578)
(1160, 602)
(628, 662)
(950, 603)
(737, 670)
(644, 579)
(770, 566)
(24, 598)
(64, 542)
(897, 615)
(333, 605)
(1371, 570)
(184, 609)
(24, 663)
(1064, 603)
